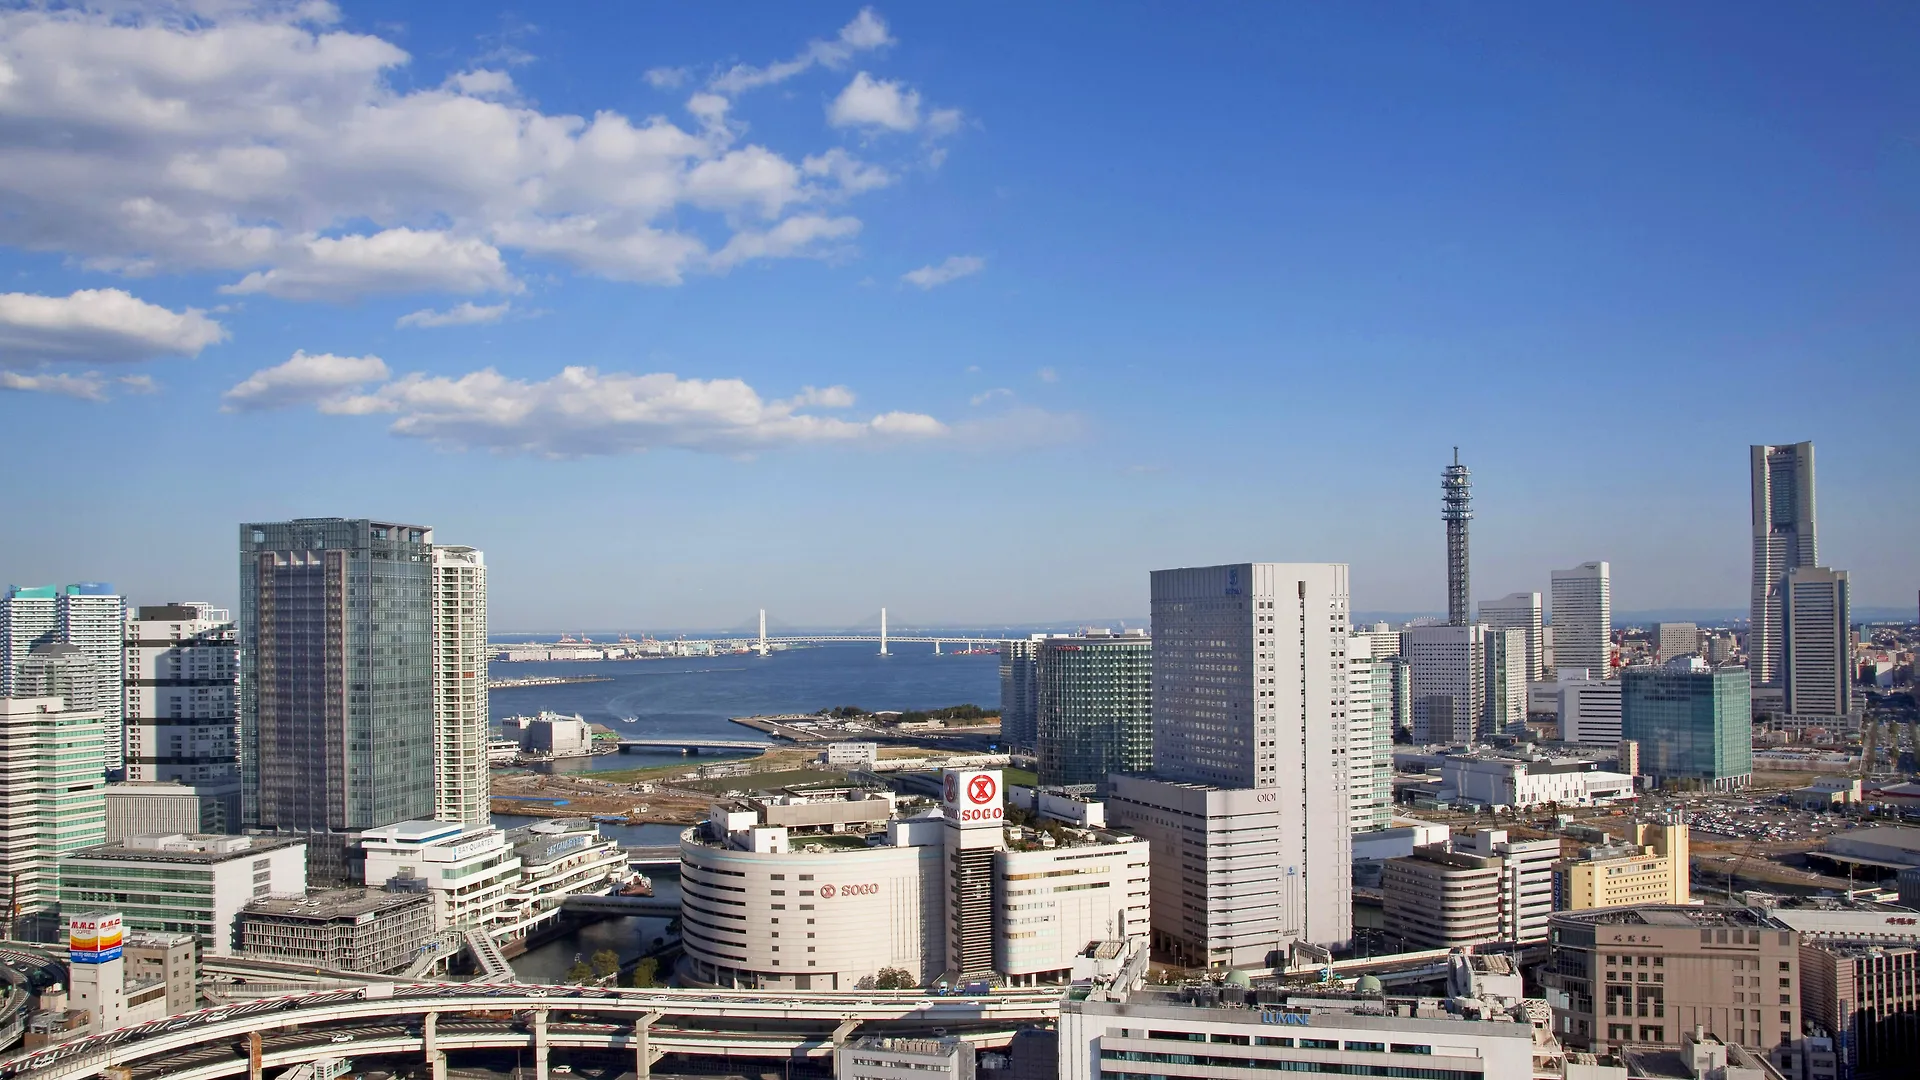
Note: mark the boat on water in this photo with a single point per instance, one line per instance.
(637, 885)
(975, 652)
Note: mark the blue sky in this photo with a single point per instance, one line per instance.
(978, 312)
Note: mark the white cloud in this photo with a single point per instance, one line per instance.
(138, 384)
(796, 236)
(954, 268)
(1047, 375)
(582, 412)
(98, 326)
(87, 387)
(271, 143)
(465, 313)
(988, 395)
(666, 78)
(871, 102)
(395, 261)
(866, 32)
(321, 378)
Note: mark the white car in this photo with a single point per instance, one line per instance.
(340, 1038)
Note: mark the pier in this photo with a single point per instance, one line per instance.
(544, 680)
(691, 746)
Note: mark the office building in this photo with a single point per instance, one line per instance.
(1456, 509)
(1506, 682)
(336, 674)
(340, 929)
(1589, 708)
(1673, 640)
(1784, 539)
(1816, 662)
(1645, 974)
(1583, 618)
(468, 870)
(1209, 1032)
(1468, 891)
(1866, 993)
(135, 809)
(949, 892)
(1095, 708)
(52, 802)
(181, 663)
(1447, 666)
(461, 780)
(1532, 781)
(1249, 693)
(1370, 687)
(1020, 691)
(1692, 724)
(875, 1058)
(1520, 611)
(87, 616)
(184, 883)
(1392, 678)
(1651, 865)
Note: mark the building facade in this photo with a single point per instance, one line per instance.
(340, 929)
(87, 616)
(462, 724)
(1693, 725)
(468, 870)
(1867, 995)
(1370, 698)
(1583, 618)
(1520, 611)
(558, 859)
(1651, 866)
(1528, 782)
(1673, 640)
(1784, 539)
(181, 665)
(1249, 693)
(137, 809)
(336, 674)
(1506, 682)
(184, 883)
(1589, 708)
(52, 799)
(1448, 669)
(1469, 891)
(1020, 691)
(1816, 662)
(1095, 708)
(1645, 974)
(876, 1058)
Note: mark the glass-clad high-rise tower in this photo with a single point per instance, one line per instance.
(336, 674)
(1095, 713)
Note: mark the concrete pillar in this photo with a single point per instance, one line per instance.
(540, 1045)
(436, 1059)
(643, 1055)
(253, 1055)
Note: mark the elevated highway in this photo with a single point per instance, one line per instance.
(431, 1019)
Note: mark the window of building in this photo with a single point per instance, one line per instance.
(1368, 1047)
(1411, 1048)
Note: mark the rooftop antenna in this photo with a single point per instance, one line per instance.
(1456, 509)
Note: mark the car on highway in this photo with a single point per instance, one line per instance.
(342, 1037)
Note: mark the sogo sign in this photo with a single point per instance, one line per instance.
(828, 892)
(973, 797)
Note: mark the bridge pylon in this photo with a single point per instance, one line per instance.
(762, 647)
(883, 631)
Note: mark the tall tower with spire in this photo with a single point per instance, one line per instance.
(1456, 509)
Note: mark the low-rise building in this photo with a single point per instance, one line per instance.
(1652, 865)
(1209, 1032)
(1829, 792)
(852, 755)
(551, 733)
(368, 930)
(558, 859)
(172, 960)
(1482, 888)
(1617, 976)
(1524, 783)
(183, 882)
(468, 870)
(904, 1059)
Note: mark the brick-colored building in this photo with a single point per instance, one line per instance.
(1868, 997)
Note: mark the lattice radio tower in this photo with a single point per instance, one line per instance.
(1456, 509)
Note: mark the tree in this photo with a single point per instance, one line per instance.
(604, 963)
(579, 973)
(644, 972)
(865, 983)
(893, 978)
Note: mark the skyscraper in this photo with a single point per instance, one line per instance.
(182, 665)
(1784, 537)
(1583, 619)
(1520, 611)
(89, 616)
(1456, 509)
(462, 726)
(1370, 716)
(1448, 668)
(1250, 692)
(52, 797)
(1095, 714)
(1506, 681)
(336, 674)
(1694, 725)
(1019, 690)
(1817, 655)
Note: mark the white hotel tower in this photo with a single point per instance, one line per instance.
(461, 781)
(1249, 723)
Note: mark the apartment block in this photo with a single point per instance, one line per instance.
(1470, 891)
(1652, 865)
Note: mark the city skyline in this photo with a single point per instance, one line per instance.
(870, 279)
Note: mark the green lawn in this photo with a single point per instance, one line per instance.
(1023, 777)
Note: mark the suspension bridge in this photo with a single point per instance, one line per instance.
(764, 643)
